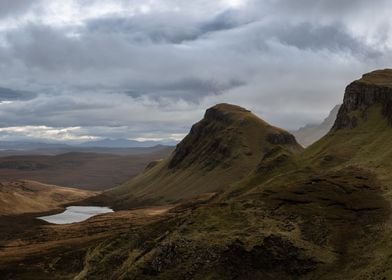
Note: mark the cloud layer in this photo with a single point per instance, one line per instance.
(149, 69)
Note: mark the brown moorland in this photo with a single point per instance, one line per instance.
(90, 171)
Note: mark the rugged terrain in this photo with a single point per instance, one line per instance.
(323, 213)
(276, 212)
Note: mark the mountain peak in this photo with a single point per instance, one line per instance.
(223, 147)
(227, 108)
(226, 112)
(226, 133)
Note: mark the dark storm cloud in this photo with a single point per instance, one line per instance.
(11, 7)
(7, 94)
(165, 27)
(317, 37)
(157, 70)
(327, 7)
(190, 88)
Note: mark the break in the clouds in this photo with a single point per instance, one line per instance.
(87, 69)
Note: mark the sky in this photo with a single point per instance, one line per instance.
(77, 70)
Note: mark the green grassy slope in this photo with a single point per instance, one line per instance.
(320, 214)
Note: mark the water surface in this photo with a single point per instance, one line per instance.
(75, 214)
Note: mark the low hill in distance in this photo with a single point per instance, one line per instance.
(25, 196)
(51, 150)
(125, 143)
(91, 171)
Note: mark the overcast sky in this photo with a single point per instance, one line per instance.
(82, 69)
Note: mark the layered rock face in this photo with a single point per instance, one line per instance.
(373, 88)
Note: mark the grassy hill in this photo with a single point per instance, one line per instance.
(224, 147)
(24, 196)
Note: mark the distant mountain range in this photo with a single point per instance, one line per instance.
(125, 143)
(101, 144)
(310, 133)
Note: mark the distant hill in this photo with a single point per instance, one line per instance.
(29, 146)
(111, 146)
(24, 196)
(225, 146)
(310, 133)
(32, 148)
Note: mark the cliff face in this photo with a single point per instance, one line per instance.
(374, 88)
(208, 140)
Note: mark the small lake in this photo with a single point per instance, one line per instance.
(75, 214)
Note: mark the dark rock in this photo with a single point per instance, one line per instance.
(275, 255)
(282, 138)
(211, 141)
(163, 258)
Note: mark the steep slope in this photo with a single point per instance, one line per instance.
(225, 146)
(310, 133)
(25, 196)
(325, 214)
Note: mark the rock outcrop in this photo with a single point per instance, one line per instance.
(373, 88)
(225, 134)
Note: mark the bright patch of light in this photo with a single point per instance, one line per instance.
(5, 102)
(46, 132)
(144, 9)
(173, 137)
(233, 3)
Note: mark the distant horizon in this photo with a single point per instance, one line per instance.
(178, 138)
(75, 142)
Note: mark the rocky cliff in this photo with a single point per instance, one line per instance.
(374, 88)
